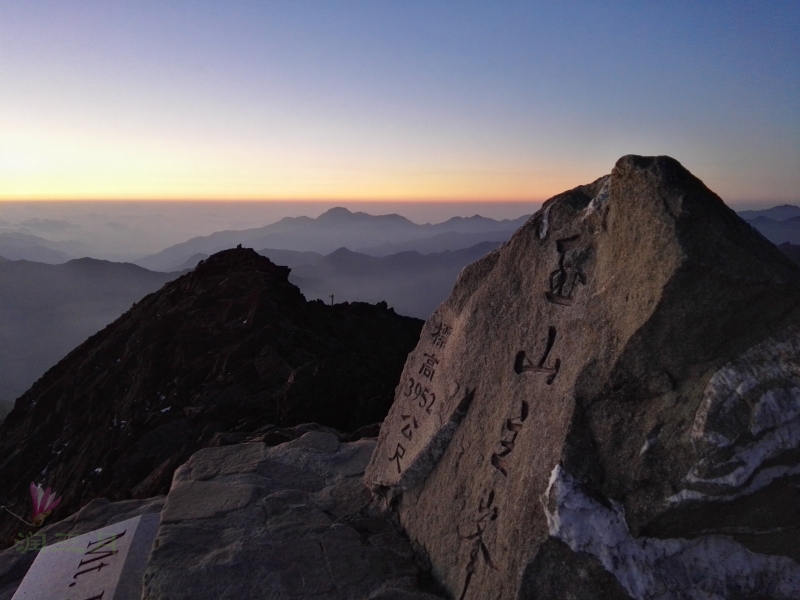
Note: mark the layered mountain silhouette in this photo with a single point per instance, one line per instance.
(413, 283)
(23, 246)
(231, 347)
(779, 224)
(338, 228)
(47, 310)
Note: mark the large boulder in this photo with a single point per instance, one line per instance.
(608, 406)
(248, 520)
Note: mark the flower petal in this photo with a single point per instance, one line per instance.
(36, 494)
(54, 502)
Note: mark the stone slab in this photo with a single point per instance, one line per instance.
(106, 564)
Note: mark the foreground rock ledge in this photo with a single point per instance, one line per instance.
(608, 406)
(292, 521)
(251, 521)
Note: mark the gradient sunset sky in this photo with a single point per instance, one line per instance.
(403, 100)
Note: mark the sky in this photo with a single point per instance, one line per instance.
(492, 101)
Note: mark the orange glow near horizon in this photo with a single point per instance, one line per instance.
(85, 172)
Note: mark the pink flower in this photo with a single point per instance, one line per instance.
(44, 501)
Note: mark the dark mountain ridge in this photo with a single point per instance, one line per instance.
(231, 347)
(47, 310)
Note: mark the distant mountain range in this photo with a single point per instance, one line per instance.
(776, 213)
(369, 234)
(47, 310)
(375, 235)
(23, 246)
(779, 224)
(413, 283)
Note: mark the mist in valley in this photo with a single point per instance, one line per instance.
(69, 269)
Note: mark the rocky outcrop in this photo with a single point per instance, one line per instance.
(253, 521)
(229, 352)
(608, 406)
(292, 521)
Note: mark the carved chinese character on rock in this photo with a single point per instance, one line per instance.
(564, 279)
(487, 512)
(440, 335)
(408, 428)
(511, 429)
(399, 453)
(522, 364)
(427, 369)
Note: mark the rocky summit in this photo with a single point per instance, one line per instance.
(608, 406)
(228, 352)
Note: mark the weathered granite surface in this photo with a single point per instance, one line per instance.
(291, 521)
(608, 405)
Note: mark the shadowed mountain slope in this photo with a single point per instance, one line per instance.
(5, 408)
(47, 310)
(230, 347)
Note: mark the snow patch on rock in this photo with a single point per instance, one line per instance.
(600, 199)
(751, 410)
(712, 567)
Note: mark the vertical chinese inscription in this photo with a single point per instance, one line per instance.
(487, 513)
(419, 396)
(428, 368)
(562, 284)
(487, 510)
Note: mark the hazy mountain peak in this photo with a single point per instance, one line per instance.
(782, 212)
(337, 212)
(343, 251)
(343, 215)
